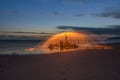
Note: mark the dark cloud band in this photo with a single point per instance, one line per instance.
(109, 13)
(112, 29)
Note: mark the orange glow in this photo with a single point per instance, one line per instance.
(30, 49)
(70, 41)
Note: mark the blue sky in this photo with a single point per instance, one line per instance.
(46, 15)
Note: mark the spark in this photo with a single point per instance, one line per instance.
(70, 41)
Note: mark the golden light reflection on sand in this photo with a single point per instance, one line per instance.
(70, 41)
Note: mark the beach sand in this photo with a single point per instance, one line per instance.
(77, 65)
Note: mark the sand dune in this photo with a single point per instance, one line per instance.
(79, 65)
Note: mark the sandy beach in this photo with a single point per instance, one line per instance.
(77, 65)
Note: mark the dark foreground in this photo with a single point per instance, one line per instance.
(79, 65)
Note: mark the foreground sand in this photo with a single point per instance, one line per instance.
(79, 65)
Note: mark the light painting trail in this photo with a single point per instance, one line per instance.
(70, 41)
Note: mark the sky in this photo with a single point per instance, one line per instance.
(46, 15)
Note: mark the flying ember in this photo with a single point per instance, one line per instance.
(70, 41)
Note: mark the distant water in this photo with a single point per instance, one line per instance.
(17, 46)
(112, 41)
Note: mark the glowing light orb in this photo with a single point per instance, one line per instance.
(70, 41)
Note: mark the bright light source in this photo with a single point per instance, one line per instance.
(69, 41)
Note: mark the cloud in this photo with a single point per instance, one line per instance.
(54, 13)
(7, 32)
(76, 1)
(83, 1)
(109, 13)
(44, 0)
(58, 13)
(111, 29)
(79, 15)
(19, 32)
(24, 35)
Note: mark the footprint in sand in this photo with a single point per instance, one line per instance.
(67, 67)
(2, 68)
(63, 74)
(64, 79)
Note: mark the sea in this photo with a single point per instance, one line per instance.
(18, 47)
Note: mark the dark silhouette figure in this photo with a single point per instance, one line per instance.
(61, 45)
(51, 47)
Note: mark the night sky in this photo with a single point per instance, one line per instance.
(47, 15)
